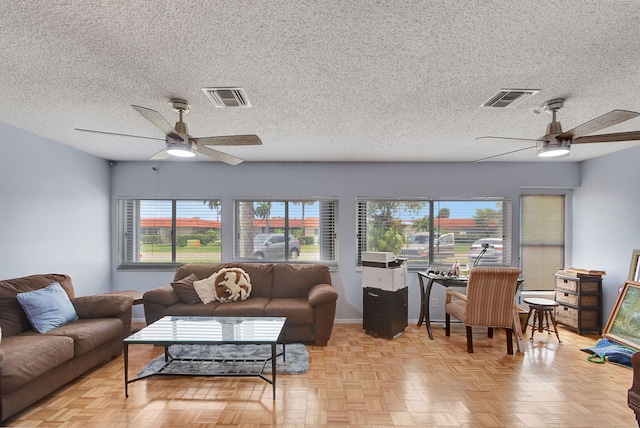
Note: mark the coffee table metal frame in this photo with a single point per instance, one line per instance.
(183, 330)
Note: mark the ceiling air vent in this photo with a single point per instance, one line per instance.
(227, 97)
(509, 97)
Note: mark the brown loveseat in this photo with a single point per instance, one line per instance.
(32, 364)
(302, 293)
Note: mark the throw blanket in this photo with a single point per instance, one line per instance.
(606, 350)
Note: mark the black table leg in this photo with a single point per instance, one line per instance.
(421, 317)
(273, 368)
(427, 297)
(126, 369)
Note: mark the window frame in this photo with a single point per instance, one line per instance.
(327, 229)
(506, 225)
(125, 247)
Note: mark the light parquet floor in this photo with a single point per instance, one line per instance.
(362, 381)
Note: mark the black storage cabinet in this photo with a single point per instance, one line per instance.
(385, 313)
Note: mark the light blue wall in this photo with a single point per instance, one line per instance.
(54, 215)
(345, 181)
(606, 225)
(56, 205)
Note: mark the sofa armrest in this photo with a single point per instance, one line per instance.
(322, 293)
(157, 300)
(102, 305)
(163, 295)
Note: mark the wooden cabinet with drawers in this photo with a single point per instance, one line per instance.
(580, 300)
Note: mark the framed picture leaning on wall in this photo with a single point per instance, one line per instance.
(623, 325)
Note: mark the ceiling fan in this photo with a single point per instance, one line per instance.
(556, 143)
(178, 141)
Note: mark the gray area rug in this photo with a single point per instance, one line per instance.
(229, 359)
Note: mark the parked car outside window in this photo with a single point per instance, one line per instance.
(272, 246)
(493, 254)
(418, 245)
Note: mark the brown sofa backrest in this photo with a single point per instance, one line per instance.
(261, 274)
(290, 280)
(12, 318)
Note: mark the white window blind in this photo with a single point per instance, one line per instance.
(542, 239)
(167, 231)
(436, 232)
(262, 225)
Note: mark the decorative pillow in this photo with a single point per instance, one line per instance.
(231, 285)
(47, 308)
(204, 289)
(185, 290)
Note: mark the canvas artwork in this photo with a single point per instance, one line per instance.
(624, 323)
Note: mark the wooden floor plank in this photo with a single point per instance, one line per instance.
(361, 381)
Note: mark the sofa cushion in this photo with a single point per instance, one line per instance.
(186, 309)
(201, 270)
(252, 307)
(12, 318)
(297, 310)
(290, 280)
(261, 274)
(26, 357)
(88, 334)
(185, 290)
(47, 308)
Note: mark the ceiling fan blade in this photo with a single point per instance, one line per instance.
(607, 138)
(506, 138)
(614, 117)
(118, 134)
(161, 155)
(222, 157)
(159, 121)
(230, 140)
(505, 153)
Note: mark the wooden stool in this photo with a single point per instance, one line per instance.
(542, 310)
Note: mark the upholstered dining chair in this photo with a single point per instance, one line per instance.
(488, 303)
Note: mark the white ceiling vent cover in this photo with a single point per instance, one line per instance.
(227, 97)
(507, 98)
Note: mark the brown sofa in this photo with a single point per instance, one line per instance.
(32, 364)
(301, 292)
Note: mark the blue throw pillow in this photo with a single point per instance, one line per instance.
(47, 308)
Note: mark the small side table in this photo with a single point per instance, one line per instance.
(542, 310)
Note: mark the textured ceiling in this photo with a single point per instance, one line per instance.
(328, 80)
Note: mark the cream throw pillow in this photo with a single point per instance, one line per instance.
(205, 290)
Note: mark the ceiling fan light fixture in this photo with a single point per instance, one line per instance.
(180, 149)
(557, 149)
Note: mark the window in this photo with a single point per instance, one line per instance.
(542, 237)
(437, 232)
(261, 227)
(146, 235)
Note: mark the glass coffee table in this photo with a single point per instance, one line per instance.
(183, 330)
